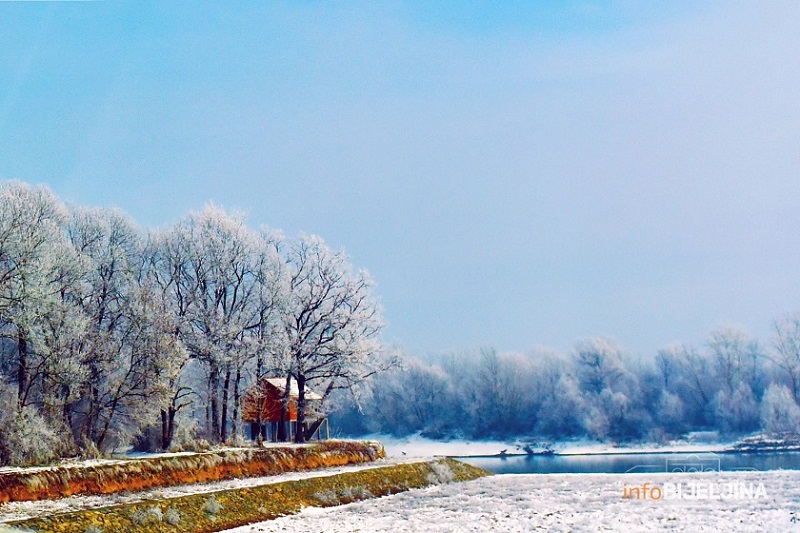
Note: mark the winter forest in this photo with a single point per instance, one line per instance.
(731, 385)
(113, 336)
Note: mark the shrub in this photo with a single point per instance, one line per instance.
(196, 445)
(26, 438)
(212, 506)
(779, 411)
(172, 517)
(89, 450)
(151, 516)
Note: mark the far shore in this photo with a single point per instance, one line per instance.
(418, 446)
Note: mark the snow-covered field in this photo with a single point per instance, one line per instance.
(569, 502)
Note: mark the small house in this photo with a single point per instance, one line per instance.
(268, 397)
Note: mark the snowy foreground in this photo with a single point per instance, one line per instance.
(716, 501)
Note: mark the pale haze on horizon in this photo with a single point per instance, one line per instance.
(512, 176)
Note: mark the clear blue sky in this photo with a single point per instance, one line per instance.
(512, 173)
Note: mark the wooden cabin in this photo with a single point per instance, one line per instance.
(270, 395)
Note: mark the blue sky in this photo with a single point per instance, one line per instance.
(513, 174)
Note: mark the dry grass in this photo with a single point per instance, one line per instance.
(141, 474)
(204, 513)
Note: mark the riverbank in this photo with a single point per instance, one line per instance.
(141, 473)
(205, 512)
(417, 446)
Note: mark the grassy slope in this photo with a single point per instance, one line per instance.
(140, 474)
(226, 509)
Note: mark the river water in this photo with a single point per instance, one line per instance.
(636, 463)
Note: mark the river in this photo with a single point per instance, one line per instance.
(636, 463)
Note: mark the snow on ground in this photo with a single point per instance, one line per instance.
(125, 456)
(568, 502)
(11, 511)
(588, 447)
(417, 446)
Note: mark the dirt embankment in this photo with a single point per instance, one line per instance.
(141, 474)
(206, 513)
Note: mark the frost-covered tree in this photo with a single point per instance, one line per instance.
(779, 411)
(125, 349)
(497, 392)
(331, 321)
(411, 398)
(26, 438)
(168, 310)
(598, 365)
(696, 386)
(736, 412)
(669, 413)
(786, 356)
(206, 261)
(667, 366)
(34, 278)
(265, 340)
(563, 413)
(736, 358)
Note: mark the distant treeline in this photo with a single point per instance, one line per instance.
(731, 384)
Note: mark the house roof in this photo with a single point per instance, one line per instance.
(294, 392)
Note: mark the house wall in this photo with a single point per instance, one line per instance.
(271, 399)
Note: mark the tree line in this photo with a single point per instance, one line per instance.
(731, 384)
(112, 335)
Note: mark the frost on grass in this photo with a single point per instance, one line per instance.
(327, 497)
(343, 495)
(5, 529)
(442, 473)
(172, 517)
(153, 515)
(212, 506)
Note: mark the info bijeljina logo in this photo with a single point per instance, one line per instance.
(690, 487)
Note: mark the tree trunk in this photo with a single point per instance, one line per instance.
(164, 430)
(213, 385)
(168, 427)
(22, 369)
(171, 434)
(92, 410)
(300, 435)
(236, 399)
(259, 423)
(225, 392)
